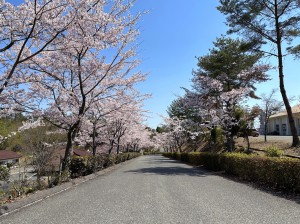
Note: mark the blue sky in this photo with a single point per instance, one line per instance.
(173, 33)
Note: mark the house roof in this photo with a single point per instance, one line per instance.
(58, 154)
(295, 109)
(6, 154)
(78, 152)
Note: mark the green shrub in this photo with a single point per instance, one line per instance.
(280, 173)
(195, 158)
(211, 161)
(78, 166)
(4, 173)
(216, 136)
(28, 190)
(131, 155)
(183, 157)
(152, 153)
(81, 166)
(122, 157)
(111, 160)
(95, 163)
(273, 151)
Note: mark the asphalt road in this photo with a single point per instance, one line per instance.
(154, 189)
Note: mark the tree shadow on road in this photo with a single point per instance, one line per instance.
(202, 172)
(171, 171)
(163, 160)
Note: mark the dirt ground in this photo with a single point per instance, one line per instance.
(281, 142)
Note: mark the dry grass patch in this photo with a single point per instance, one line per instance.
(281, 142)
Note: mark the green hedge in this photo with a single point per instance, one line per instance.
(152, 153)
(81, 166)
(280, 173)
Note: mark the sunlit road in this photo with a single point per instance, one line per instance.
(154, 189)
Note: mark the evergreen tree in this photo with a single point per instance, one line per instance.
(273, 22)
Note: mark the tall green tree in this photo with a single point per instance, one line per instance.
(182, 110)
(227, 60)
(177, 108)
(272, 22)
(225, 76)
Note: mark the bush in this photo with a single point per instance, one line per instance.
(280, 173)
(273, 151)
(17, 148)
(122, 157)
(81, 166)
(78, 166)
(209, 160)
(95, 163)
(216, 136)
(152, 153)
(4, 173)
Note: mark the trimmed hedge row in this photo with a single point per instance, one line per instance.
(151, 153)
(280, 173)
(82, 166)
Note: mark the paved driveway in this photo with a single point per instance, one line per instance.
(154, 189)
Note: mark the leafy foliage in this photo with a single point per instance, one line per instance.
(272, 22)
(228, 59)
(81, 166)
(4, 173)
(273, 151)
(279, 173)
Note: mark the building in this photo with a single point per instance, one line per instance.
(279, 123)
(7, 157)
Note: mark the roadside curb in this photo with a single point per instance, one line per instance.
(39, 196)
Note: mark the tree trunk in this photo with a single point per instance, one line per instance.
(281, 82)
(229, 143)
(111, 147)
(68, 152)
(287, 105)
(118, 146)
(266, 125)
(134, 147)
(94, 140)
(248, 143)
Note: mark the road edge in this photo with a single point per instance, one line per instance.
(39, 196)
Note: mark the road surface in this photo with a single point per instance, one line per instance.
(154, 189)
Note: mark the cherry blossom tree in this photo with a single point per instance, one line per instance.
(91, 134)
(268, 22)
(124, 127)
(27, 31)
(219, 103)
(177, 133)
(225, 76)
(109, 119)
(94, 62)
(137, 137)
